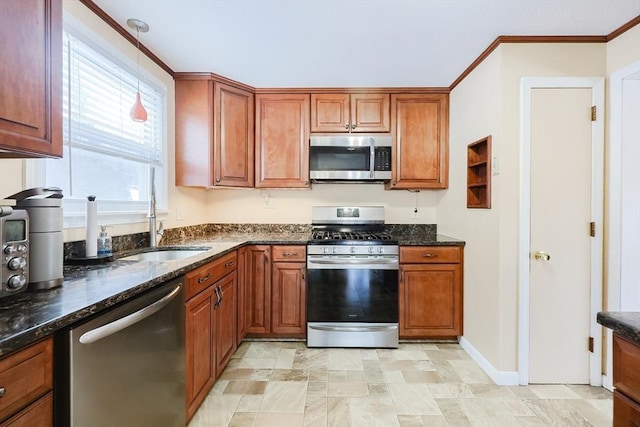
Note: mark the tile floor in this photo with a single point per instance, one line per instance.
(286, 384)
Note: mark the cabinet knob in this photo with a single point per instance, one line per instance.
(1, 391)
(306, 183)
(217, 179)
(229, 264)
(346, 125)
(353, 126)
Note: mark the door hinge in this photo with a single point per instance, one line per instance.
(593, 113)
(590, 344)
(592, 229)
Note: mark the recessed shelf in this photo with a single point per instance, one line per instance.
(479, 174)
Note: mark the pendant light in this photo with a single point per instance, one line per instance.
(138, 113)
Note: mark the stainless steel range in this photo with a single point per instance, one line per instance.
(352, 279)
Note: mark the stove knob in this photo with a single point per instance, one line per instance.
(325, 250)
(16, 282)
(335, 250)
(352, 249)
(17, 263)
(370, 250)
(380, 250)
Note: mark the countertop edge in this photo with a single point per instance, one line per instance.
(625, 324)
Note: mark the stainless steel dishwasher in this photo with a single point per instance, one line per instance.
(125, 367)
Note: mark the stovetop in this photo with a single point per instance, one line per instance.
(333, 237)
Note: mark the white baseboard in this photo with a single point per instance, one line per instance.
(498, 377)
(607, 382)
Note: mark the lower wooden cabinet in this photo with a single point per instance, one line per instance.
(26, 377)
(199, 349)
(210, 336)
(626, 380)
(430, 292)
(276, 291)
(241, 296)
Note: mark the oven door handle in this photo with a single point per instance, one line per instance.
(353, 328)
(385, 264)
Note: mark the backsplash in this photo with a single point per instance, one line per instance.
(173, 236)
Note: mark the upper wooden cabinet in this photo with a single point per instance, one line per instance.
(343, 112)
(214, 134)
(420, 152)
(282, 141)
(30, 78)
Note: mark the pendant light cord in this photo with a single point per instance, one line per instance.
(138, 53)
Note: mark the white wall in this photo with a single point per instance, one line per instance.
(488, 101)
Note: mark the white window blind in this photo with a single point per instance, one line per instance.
(98, 97)
(105, 153)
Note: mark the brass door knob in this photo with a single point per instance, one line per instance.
(541, 256)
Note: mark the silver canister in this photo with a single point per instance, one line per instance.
(46, 254)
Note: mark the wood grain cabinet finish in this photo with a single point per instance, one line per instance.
(258, 289)
(241, 296)
(431, 292)
(224, 322)
(288, 291)
(200, 357)
(282, 141)
(31, 78)
(356, 112)
(214, 134)
(27, 379)
(210, 335)
(420, 151)
(626, 380)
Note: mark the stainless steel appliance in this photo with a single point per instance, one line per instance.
(349, 158)
(125, 367)
(46, 255)
(352, 279)
(14, 234)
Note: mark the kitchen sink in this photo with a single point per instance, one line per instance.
(165, 254)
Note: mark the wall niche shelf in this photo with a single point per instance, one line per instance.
(479, 173)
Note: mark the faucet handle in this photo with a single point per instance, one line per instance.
(160, 231)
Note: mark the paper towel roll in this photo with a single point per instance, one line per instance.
(92, 227)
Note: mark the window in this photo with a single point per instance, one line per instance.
(105, 153)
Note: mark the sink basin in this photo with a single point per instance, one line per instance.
(165, 254)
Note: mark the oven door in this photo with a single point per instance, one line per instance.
(352, 289)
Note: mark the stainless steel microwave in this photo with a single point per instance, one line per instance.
(348, 158)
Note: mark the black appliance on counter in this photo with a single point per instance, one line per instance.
(352, 279)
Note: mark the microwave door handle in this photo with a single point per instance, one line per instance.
(372, 157)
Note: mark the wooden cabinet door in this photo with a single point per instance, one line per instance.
(194, 133)
(258, 287)
(282, 141)
(241, 296)
(370, 112)
(430, 300)
(233, 136)
(288, 298)
(38, 414)
(31, 77)
(330, 112)
(199, 348)
(420, 150)
(225, 321)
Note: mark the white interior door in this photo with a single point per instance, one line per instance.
(560, 241)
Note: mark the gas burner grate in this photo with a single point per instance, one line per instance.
(350, 235)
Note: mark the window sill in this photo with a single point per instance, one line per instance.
(78, 220)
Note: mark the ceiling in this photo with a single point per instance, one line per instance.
(351, 43)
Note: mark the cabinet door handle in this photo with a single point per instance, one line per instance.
(289, 253)
(429, 255)
(401, 275)
(353, 126)
(2, 391)
(218, 298)
(204, 278)
(346, 125)
(229, 264)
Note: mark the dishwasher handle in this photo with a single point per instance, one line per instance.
(131, 319)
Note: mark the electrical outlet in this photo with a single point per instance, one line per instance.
(494, 166)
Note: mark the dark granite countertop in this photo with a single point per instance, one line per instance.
(30, 316)
(625, 323)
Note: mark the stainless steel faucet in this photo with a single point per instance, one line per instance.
(153, 232)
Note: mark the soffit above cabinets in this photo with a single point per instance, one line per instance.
(351, 43)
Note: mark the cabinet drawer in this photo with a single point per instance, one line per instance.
(430, 254)
(289, 253)
(626, 412)
(39, 413)
(205, 276)
(25, 376)
(626, 360)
